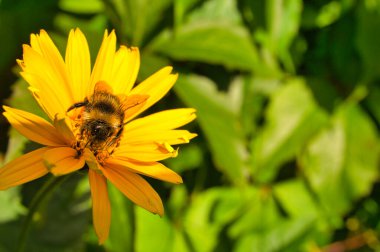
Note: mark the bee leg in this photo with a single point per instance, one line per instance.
(118, 134)
(78, 105)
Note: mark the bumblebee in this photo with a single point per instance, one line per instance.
(102, 117)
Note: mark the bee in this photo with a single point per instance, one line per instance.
(103, 115)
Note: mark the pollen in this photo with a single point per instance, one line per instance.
(85, 139)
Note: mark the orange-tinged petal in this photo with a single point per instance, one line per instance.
(144, 152)
(102, 70)
(135, 188)
(125, 69)
(63, 160)
(165, 120)
(23, 169)
(101, 208)
(151, 169)
(78, 64)
(156, 86)
(33, 127)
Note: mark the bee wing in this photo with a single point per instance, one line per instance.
(132, 104)
(102, 86)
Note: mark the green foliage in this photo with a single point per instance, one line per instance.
(288, 112)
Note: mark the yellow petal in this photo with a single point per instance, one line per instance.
(52, 99)
(48, 105)
(91, 161)
(132, 104)
(34, 127)
(165, 120)
(102, 70)
(63, 160)
(78, 64)
(63, 126)
(44, 61)
(144, 152)
(151, 169)
(101, 208)
(135, 188)
(125, 69)
(45, 46)
(23, 169)
(169, 136)
(156, 86)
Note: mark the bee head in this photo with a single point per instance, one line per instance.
(100, 130)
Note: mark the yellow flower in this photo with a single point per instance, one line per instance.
(93, 123)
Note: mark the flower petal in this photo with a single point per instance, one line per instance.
(45, 70)
(62, 124)
(125, 69)
(101, 208)
(165, 120)
(156, 86)
(164, 136)
(144, 152)
(78, 64)
(135, 188)
(53, 57)
(152, 169)
(91, 161)
(63, 160)
(50, 98)
(34, 127)
(102, 70)
(23, 169)
(132, 104)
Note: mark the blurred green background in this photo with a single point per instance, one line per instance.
(288, 101)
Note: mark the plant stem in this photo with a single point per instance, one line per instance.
(39, 198)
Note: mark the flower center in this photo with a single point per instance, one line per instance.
(94, 133)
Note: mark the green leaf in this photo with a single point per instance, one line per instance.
(82, 7)
(283, 21)
(136, 19)
(341, 162)
(329, 13)
(152, 232)
(93, 28)
(293, 194)
(209, 213)
(219, 121)
(193, 42)
(21, 98)
(291, 119)
(150, 63)
(10, 207)
(158, 234)
(121, 237)
(259, 213)
(368, 39)
(190, 157)
(218, 11)
(287, 234)
(61, 222)
(180, 9)
(372, 101)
